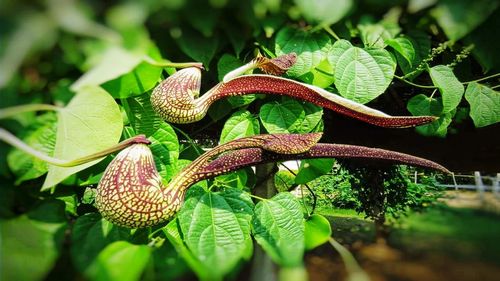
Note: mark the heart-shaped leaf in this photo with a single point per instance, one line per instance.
(484, 104)
(361, 75)
(91, 122)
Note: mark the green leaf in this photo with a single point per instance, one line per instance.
(198, 47)
(404, 47)
(41, 135)
(450, 88)
(282, 117)
(324, 12)
(226, 64)
(35, 32)
(313, 168)
(422, 105)
(174, 235)
(484, 104)
(321, 76)
(361, 75)
(313, 117)
(317, 231)
(278, 226)
(120, 260)
(311, 48)
(376, 34)
(142, 117)
(216, 227)
(91, 122)
(114, 62)
(458, 18)
(90, 235)
(421, 44)
(31, 243)
(240, 124)
(141, 79)
(165, 149)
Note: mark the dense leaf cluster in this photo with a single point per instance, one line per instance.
(97, 64)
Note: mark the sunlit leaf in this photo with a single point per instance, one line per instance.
(311, 48)
(216, 227)
(404, 47)
(361, 75)
(91, 122)
(120, 260)
(240, 124)
(450, 88)
(317, 231)
(484, 104)
(278, 226)
(283, 117)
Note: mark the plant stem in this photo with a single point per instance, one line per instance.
(14, 110)
(257, 197)
(331, 32)
(351, 265)
(484, 78)
(19, 144)
(495, 87)
(433, 92)
(165, 63)
(189, 139)
(414, 84)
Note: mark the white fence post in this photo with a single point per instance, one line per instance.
(479, 185)
(495, 186)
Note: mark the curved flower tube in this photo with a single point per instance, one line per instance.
(176, 99)
(131, 192)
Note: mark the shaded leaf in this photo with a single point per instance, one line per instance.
(311, 169)
(484, 104)
(165, 149)
(41, 135)
(142, 117)
(278, 226)
(422, 105)
(421, 43)
(198, 47)
(91, 122)
(457, 18)
(90, 235)
(31, 243)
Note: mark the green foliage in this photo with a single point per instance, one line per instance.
(91, 122)
(99, 63)
(317, 231)
(361, 74)
(279, 228)
(216, 228)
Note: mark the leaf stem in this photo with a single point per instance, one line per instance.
(257, 197)
(483, 78)
(414, 84)
(433, 92)
(165, 63)
(189, 139)
(354, 270)
(14, 110)
(9, 138)
(331, 32)
(495, 87)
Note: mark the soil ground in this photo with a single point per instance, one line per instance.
(457, 240)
